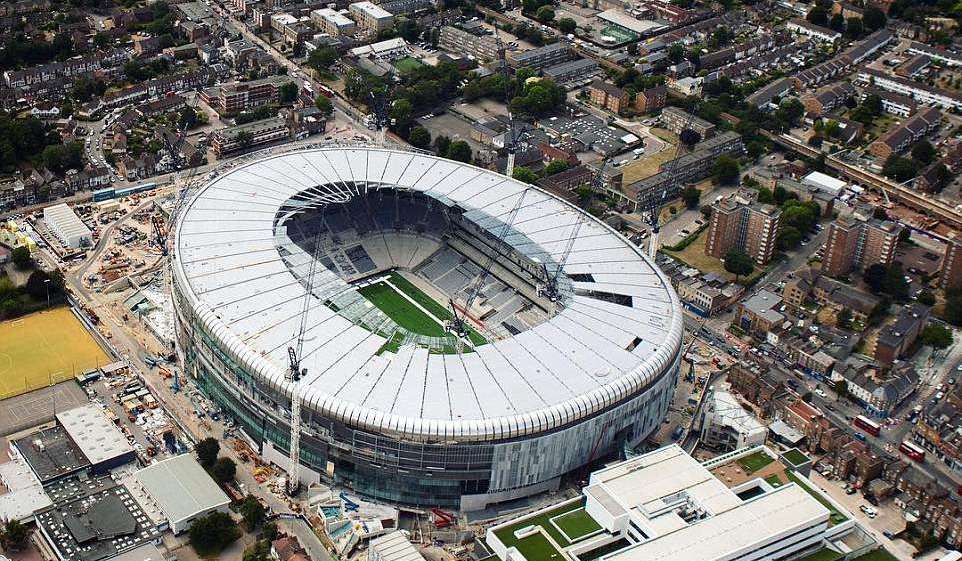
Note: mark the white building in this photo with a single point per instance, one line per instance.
(24, 493)
(67, 226)
(100, 440)
(668, 506)
(371, 17)
(921, 93)
(816, 32)
(825, 183)
(389, 49)
(726, 425)
(333, 22)
(393, 546)
(182, 490)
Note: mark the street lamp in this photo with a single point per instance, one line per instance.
(46, 283)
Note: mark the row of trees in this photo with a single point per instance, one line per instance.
(221, 469)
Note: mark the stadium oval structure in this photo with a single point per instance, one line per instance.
(406, 411)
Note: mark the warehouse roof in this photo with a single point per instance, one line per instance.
(98, 438)
(394, 547)
(181, 488)
(65, 220)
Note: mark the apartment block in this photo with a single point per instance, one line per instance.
(333, 22)
(921, 93)
(912, 130)
(828, 98)
(816, 32)
(676, 120)
(951, 277)
(857, 241)
(651, 99)
(370, 17)
(458, 41)
(540, 58)
(739, 221)
(249, 135)
(608, 95)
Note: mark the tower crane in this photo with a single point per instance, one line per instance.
(670, 179)
(512, 137)
(295, 373)
(550, 289)
(381, 118)
(458, 325)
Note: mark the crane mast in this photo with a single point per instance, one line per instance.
(670, 172)
(511, 136)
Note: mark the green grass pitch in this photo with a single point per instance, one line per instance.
(404, 313)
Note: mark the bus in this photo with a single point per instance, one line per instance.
(913, 451)
(867, 425)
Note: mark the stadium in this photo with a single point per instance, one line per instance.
(557, 367)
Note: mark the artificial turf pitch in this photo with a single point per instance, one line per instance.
(45, 348)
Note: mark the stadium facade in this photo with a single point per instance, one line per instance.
(404, 414)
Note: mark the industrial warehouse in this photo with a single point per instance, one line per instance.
(468, 339)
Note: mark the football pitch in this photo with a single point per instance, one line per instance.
(411, 308)
(44, 348)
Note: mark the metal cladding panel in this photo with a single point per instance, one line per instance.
(524, 385)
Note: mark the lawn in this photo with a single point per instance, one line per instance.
(774, 480)
(835, 517)
(536, 547)
(647, 166)
(576, 524)
(431, 305)
(822, 555)
(694, 256)
(408, 64)
(401, 311)
(755, 462)
(880, 554)
(45, 348)
(795, 457)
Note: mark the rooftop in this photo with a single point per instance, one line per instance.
(97, 437)
(51, 454)
(181, 488)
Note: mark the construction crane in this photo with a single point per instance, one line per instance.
(512, 136)
(550, 289)
(670, 173)
(159, 237)
(458, 325)
(295, 373)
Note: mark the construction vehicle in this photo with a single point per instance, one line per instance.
(442, 519)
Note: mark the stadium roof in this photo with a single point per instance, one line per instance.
(181, 488)
(618, 334)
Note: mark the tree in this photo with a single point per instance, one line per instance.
(726, 170)
(210, 534)
(689, 137)
(926, 297)
(568, 25)
(854, 27)
(459, 151)
(544, 14)
(841, 388)
(788, 238)
(187, 118)
(322, 58)
(873, 18)
(899, 168)
(224, 470)
(837, 22)
(818, 16)
(874, 276)
(288, 92)
(738, 263)
(253, 512)
(409, 30)
(691, 195)
(953, 309)
(676, 53)
(324, 104)
(442, 144)
(524, 174)
(207, 451)
(844, 319)
(14, 535)
(270, 532)
(420, 137)
(245, 138)
(923, 152)
(936, 335)
(40, 284)
(258, 551)
(20, 256)
(555, 166)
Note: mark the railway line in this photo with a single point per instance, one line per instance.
(913, 199)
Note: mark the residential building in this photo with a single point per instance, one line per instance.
(249, 135)
(760, 315)
(766, 96)
(651, 99)
(878, 390)
(897, 337)
(910, 131)
(607, 95)
(238, 97)
(370, 17)
(726, 426)
(858, 240)
(333, 22)
(942, 55)
(816, 32)
(573, 73)
(758, 384)
(802, 416)
(920, 92)
(481, 47)
(810, 285)
(913, 66)
(894, 103)
(828, 98)
(848, 59)
(540, 58)
(951, 276)
(664, 504)
(288, 548)
(740, 222)
(677, 120)
(706, 295)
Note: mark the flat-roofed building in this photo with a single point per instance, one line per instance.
(726, 425)
(857, 241)
(459, 41)
(370, 17)
(182, 490)
(951, 277)
(393, 546)
(677, 120)
(667, 505)
(98, 438)
(248, 135)
(67, 226)
(740, 222)
(333, 22)
(540, 58)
